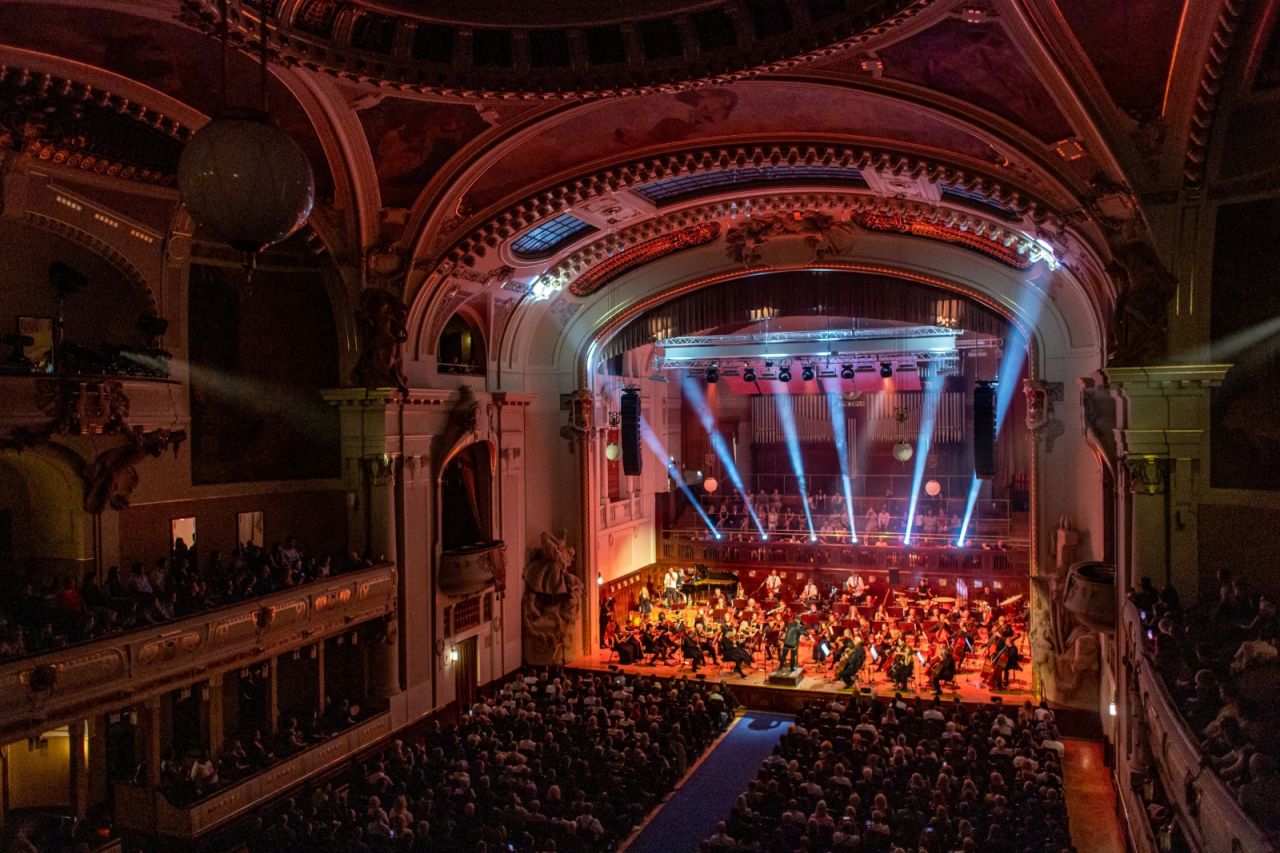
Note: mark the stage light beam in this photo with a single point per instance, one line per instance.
(655, 445)
(835, 403)
(699, 402)
(787, 415)
(928, 415)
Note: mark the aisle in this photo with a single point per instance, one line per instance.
(707, 796)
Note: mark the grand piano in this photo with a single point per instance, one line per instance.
(706, 581)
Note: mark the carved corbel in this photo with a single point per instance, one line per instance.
(379, 469)
(1041, 423)
(578, 431)
(1147, 474)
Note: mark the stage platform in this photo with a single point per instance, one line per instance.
(756, 692)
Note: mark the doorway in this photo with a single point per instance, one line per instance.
(466, 672)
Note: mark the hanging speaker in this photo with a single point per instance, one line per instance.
(984, 430)
(631, 457)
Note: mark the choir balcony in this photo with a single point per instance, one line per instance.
(1206, 813)
(43, 691)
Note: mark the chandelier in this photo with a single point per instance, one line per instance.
(241, 177)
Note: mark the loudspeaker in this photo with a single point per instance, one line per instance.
(895, 577)
(631, 456)
(984, 430)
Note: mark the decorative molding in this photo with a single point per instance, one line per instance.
(989, 243)
(646, 252)
(99, 247)
(1206, 103)
(1041, 423)
(560, 198)
(1148, 474)
(391, 65)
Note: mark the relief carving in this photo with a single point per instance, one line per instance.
(113, 475)
(1142, 307)
(382, 320)
(1064, 650)
(1041, 423)
(552, 600)
(820, 232)
(578, 430)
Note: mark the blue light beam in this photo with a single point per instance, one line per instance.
(928, 415)
(836, 404)
(655, 445)
(1015, 354)
(787, 415)
(699, 402)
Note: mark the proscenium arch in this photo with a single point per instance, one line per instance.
(1060, 323)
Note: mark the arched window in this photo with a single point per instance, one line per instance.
(461, 348)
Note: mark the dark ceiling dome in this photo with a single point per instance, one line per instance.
(550, 48)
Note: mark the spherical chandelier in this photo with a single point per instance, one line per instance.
(903, 451)
(246, 181)
(612, 451)
(710, 484)
(933, 488)
(240, 176)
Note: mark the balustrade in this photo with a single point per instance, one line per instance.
(92, 678)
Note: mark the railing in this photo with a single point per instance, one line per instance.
(49, 689)
(146, 810)
(1209, 814)
(680, 548)
(37, 402)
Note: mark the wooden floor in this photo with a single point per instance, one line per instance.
(1091, 799)
(818, 680)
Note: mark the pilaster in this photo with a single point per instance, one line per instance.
(1162, 417)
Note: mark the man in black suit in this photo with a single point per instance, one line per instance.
(791, 635)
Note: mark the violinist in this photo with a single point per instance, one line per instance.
(734, 653)
(903, 665)
(690, 648)
(706, 642)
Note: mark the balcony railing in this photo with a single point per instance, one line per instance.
(1209, 814)
(146, 810)
(37, 404)
(49, 689)
(683, 548)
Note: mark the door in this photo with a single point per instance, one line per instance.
(466, 673)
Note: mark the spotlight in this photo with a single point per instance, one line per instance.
(764, 537)
(846, 372)
(749, 374)
(808, 373)
(886, 370)
(813, 537)
(784, 375)
(713, 375)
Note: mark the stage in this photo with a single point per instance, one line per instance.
(756, 692)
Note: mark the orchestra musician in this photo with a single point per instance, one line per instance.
(902, 664)
(855, 587)
(690, 648)
(942, 668)
(809, 595)
(644, 604)
(851, 663)
(734, 653)
(773, 585)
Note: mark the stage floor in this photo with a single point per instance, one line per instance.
(816, 681)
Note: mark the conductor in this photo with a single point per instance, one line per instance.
(791, 634)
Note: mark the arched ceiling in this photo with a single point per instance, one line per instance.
(442, 133)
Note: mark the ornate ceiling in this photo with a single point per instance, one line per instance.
(446, 135)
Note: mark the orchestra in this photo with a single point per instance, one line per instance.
(904, 637)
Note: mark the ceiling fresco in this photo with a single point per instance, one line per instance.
(981, 65)
(613, 128)
(1109, 31)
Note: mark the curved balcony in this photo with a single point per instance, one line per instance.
(37, 405)
(95, 677)
(1208, 813)
(146, 810)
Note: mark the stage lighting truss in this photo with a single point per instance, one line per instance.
(826, 354)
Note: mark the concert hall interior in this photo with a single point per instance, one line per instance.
(686, 425)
